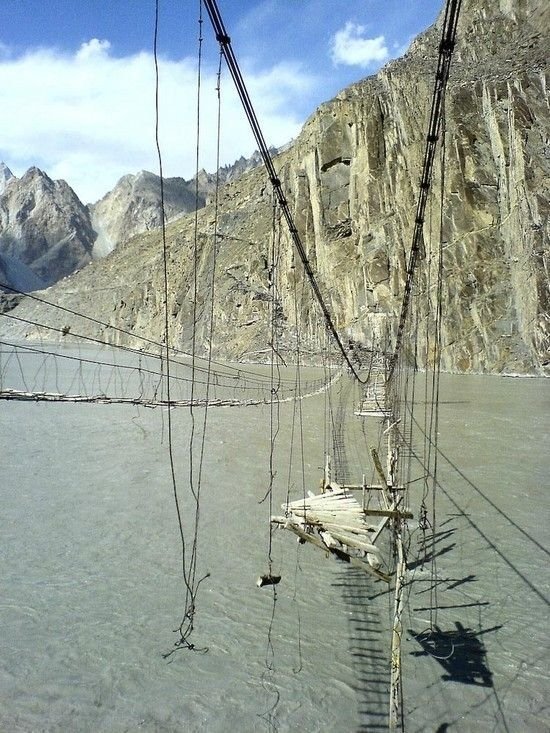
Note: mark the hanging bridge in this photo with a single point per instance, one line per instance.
(121, 366)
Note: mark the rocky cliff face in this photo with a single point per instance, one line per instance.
(355, 175)
(352, 177)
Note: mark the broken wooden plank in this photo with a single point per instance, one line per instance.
(388, 513)
(314, 540)
(369, 487)
(347, 539)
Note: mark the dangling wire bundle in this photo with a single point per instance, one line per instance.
(189, 564)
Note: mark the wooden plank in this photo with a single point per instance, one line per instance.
(388, 513)
(324, 499)
(372, 413)
(325, 519)
(351, 541)
(371, 487)
(385, 520)
(339, 501)
(397, 632)
(330, 495)
(360, 529)
(354, 534)
(378, 466)
(379, 529)
(336, 509)
(352, 510)
(314, 540)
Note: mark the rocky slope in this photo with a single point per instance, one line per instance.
(352, 178)
(133, 206)
(46, 233)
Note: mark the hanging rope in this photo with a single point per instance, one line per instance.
(436, 374)
(196, 471)
(188, 566)
(274, 369)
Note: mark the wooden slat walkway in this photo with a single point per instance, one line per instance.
(373, 402)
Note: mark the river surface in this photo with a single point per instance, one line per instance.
(92, 588)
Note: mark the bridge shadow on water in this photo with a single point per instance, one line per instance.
(460, 652)
(368, 645)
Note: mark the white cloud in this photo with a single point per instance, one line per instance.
(350, 47)
(89, 117)
(93, 49)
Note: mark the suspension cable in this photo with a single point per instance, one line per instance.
(446, 48)
(225, 43)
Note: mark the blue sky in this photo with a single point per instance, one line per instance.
(77, 77)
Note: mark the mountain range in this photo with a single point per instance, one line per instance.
(352, 180)
(47, 233)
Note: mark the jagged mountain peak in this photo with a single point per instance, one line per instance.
(131, 207)
(36, 185)
(36, 175)
(134, 206)
(45, 231)
(5, 176)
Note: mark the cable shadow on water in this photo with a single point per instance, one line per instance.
(428, 550)
(461, 512)
(368, 646)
